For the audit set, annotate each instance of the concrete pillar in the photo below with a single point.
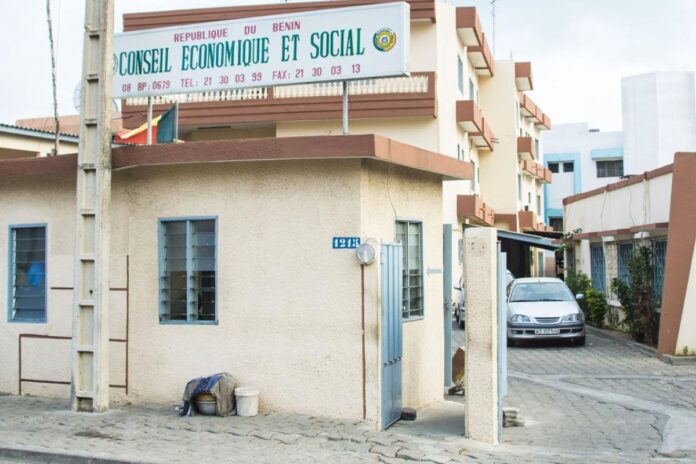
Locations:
(481, 367)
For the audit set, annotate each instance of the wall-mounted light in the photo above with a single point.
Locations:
(365, 253)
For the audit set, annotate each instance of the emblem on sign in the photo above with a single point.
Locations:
(384, 39)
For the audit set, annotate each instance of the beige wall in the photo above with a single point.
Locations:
(499, 169)
(288, 305)
(20, 146)
(687, 335)
(413, 197)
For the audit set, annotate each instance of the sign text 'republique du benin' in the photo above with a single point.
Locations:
(323, 45)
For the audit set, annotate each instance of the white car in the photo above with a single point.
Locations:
(459, 303)
(542, 308)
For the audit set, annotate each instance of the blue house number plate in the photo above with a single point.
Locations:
(345, 242)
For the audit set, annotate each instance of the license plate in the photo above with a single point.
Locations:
(547, 331)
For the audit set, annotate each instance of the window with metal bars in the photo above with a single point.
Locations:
(659, 253)
(597, 269)
(27, 276)
(410, 235)
(188, 277)
(624, 252)
(612, 168)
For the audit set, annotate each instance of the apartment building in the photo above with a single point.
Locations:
(458, 101)
(659, 119)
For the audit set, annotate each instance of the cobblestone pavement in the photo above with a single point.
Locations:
(610, 395)
(607, 402)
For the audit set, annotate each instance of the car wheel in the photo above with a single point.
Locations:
(580, 341)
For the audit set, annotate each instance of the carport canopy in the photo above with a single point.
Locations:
(527, 239)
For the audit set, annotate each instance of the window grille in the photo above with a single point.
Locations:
(597, 267)
(625, 254)
(188, 281)
(409, 235)
(612, 168)
(659, 249)
(27, 289)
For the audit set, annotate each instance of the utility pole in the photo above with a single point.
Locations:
(90, 339)
(53, 76)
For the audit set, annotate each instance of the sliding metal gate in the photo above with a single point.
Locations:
(392, 339)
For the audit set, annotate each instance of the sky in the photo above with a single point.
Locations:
(579, 49)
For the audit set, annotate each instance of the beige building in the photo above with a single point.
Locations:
(222, 260)
(652, 209)
(26, 142)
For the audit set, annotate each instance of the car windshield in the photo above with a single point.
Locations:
(541, 291)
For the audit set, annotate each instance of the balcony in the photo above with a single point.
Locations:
(529, 109)
(369, 98)
(528, 223)
(523, 76)
(545, 122)
(470, 118)
(481, 57)
(473, 209)
(536, 170)
(525, 148)
(469, 26)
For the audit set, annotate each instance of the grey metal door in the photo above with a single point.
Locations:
(502, 337)
(392, 338)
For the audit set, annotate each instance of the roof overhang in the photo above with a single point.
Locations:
(531, 240)
(367, 146)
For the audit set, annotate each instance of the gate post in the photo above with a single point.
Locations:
(481, 366)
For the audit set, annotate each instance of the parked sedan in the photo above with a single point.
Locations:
(542, 308)
(460, 301)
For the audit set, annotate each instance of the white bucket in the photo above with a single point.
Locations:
(247, 401)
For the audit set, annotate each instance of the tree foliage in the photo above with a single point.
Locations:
(638, 298)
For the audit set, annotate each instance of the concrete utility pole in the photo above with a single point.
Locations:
(90, 340)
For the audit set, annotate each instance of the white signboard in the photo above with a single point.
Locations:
(324, 45)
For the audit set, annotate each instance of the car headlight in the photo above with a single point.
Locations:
(519, 318)
(575, 317)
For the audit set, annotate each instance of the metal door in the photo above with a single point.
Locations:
(392, 339)
(502, 337)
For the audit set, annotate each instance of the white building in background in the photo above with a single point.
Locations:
(659, 119)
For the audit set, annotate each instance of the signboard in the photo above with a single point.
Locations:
(315, 46)
(345, 242)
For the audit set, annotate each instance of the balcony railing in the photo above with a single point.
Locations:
(529, 109)
(370, 98)
(545, 122)
(528, 223)
(525, 148)
(470, 118)
(536, 170)
(523, 76)
(471, 207)
(481, 57)
(469, 26)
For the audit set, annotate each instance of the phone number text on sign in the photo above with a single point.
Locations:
(372, 41)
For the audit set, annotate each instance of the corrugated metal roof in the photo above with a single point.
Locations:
(38, 133)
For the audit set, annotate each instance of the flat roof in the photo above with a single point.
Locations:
(367, 146)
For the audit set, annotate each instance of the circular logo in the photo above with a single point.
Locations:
(384, 39)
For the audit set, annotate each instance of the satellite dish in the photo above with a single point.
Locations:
(76, 99)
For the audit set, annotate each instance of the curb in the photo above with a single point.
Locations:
(33, 455)
(649, 350)
(677, 360)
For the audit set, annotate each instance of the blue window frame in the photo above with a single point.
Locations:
(188, 270)
(597, 269)
(659, 249)
(410, 235)
(625, 254)
(27, 287)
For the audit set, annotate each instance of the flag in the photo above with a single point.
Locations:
(166, 129)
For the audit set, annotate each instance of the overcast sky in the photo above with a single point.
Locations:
(579, 49)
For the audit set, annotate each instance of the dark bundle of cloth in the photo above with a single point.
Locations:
(221, 386)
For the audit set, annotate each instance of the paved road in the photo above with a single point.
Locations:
(609, 396)
(607, 402)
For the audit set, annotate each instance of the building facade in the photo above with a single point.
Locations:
(652, 209)
(659, 119)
